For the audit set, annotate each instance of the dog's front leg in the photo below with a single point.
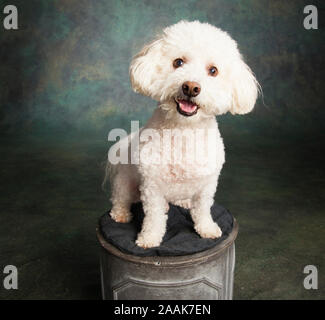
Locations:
(155, 208)
(201, 213)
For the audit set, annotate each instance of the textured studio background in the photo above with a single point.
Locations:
(67, 66)
(64, 84)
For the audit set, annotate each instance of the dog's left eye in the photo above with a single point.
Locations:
(213, 71)
(178, 63)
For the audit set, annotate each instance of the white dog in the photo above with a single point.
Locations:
(195, 72)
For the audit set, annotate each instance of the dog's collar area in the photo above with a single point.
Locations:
(186, 108)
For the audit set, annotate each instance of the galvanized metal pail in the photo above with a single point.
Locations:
(206, 275)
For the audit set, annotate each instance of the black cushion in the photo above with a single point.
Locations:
(180, 238)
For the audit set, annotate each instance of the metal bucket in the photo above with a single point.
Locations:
(206, 275)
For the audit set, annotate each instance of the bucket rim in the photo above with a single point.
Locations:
(171, 261)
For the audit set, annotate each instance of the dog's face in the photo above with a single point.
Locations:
(194, 70)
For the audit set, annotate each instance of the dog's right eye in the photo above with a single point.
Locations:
(178, 63)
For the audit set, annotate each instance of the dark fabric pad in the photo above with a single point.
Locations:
(180, 238)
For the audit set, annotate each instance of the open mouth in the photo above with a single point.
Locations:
(186, 108)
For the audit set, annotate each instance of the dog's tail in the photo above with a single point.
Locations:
(111, 169)
(107, 174)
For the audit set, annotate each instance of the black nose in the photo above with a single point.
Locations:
(191, 88)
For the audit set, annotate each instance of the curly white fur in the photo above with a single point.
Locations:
(234, 89)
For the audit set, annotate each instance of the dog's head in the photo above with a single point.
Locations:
(195, 70)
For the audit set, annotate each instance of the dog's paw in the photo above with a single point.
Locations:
(147, 241)
(210, 230)
(121, 215)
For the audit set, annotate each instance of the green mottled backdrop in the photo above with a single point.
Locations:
(64, 84)
(67, 65)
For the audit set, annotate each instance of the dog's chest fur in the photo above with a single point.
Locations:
(178, 159)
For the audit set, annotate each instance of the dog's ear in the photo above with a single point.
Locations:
(245, 88)
(143, 68)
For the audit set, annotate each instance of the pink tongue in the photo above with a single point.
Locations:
(187, 106)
